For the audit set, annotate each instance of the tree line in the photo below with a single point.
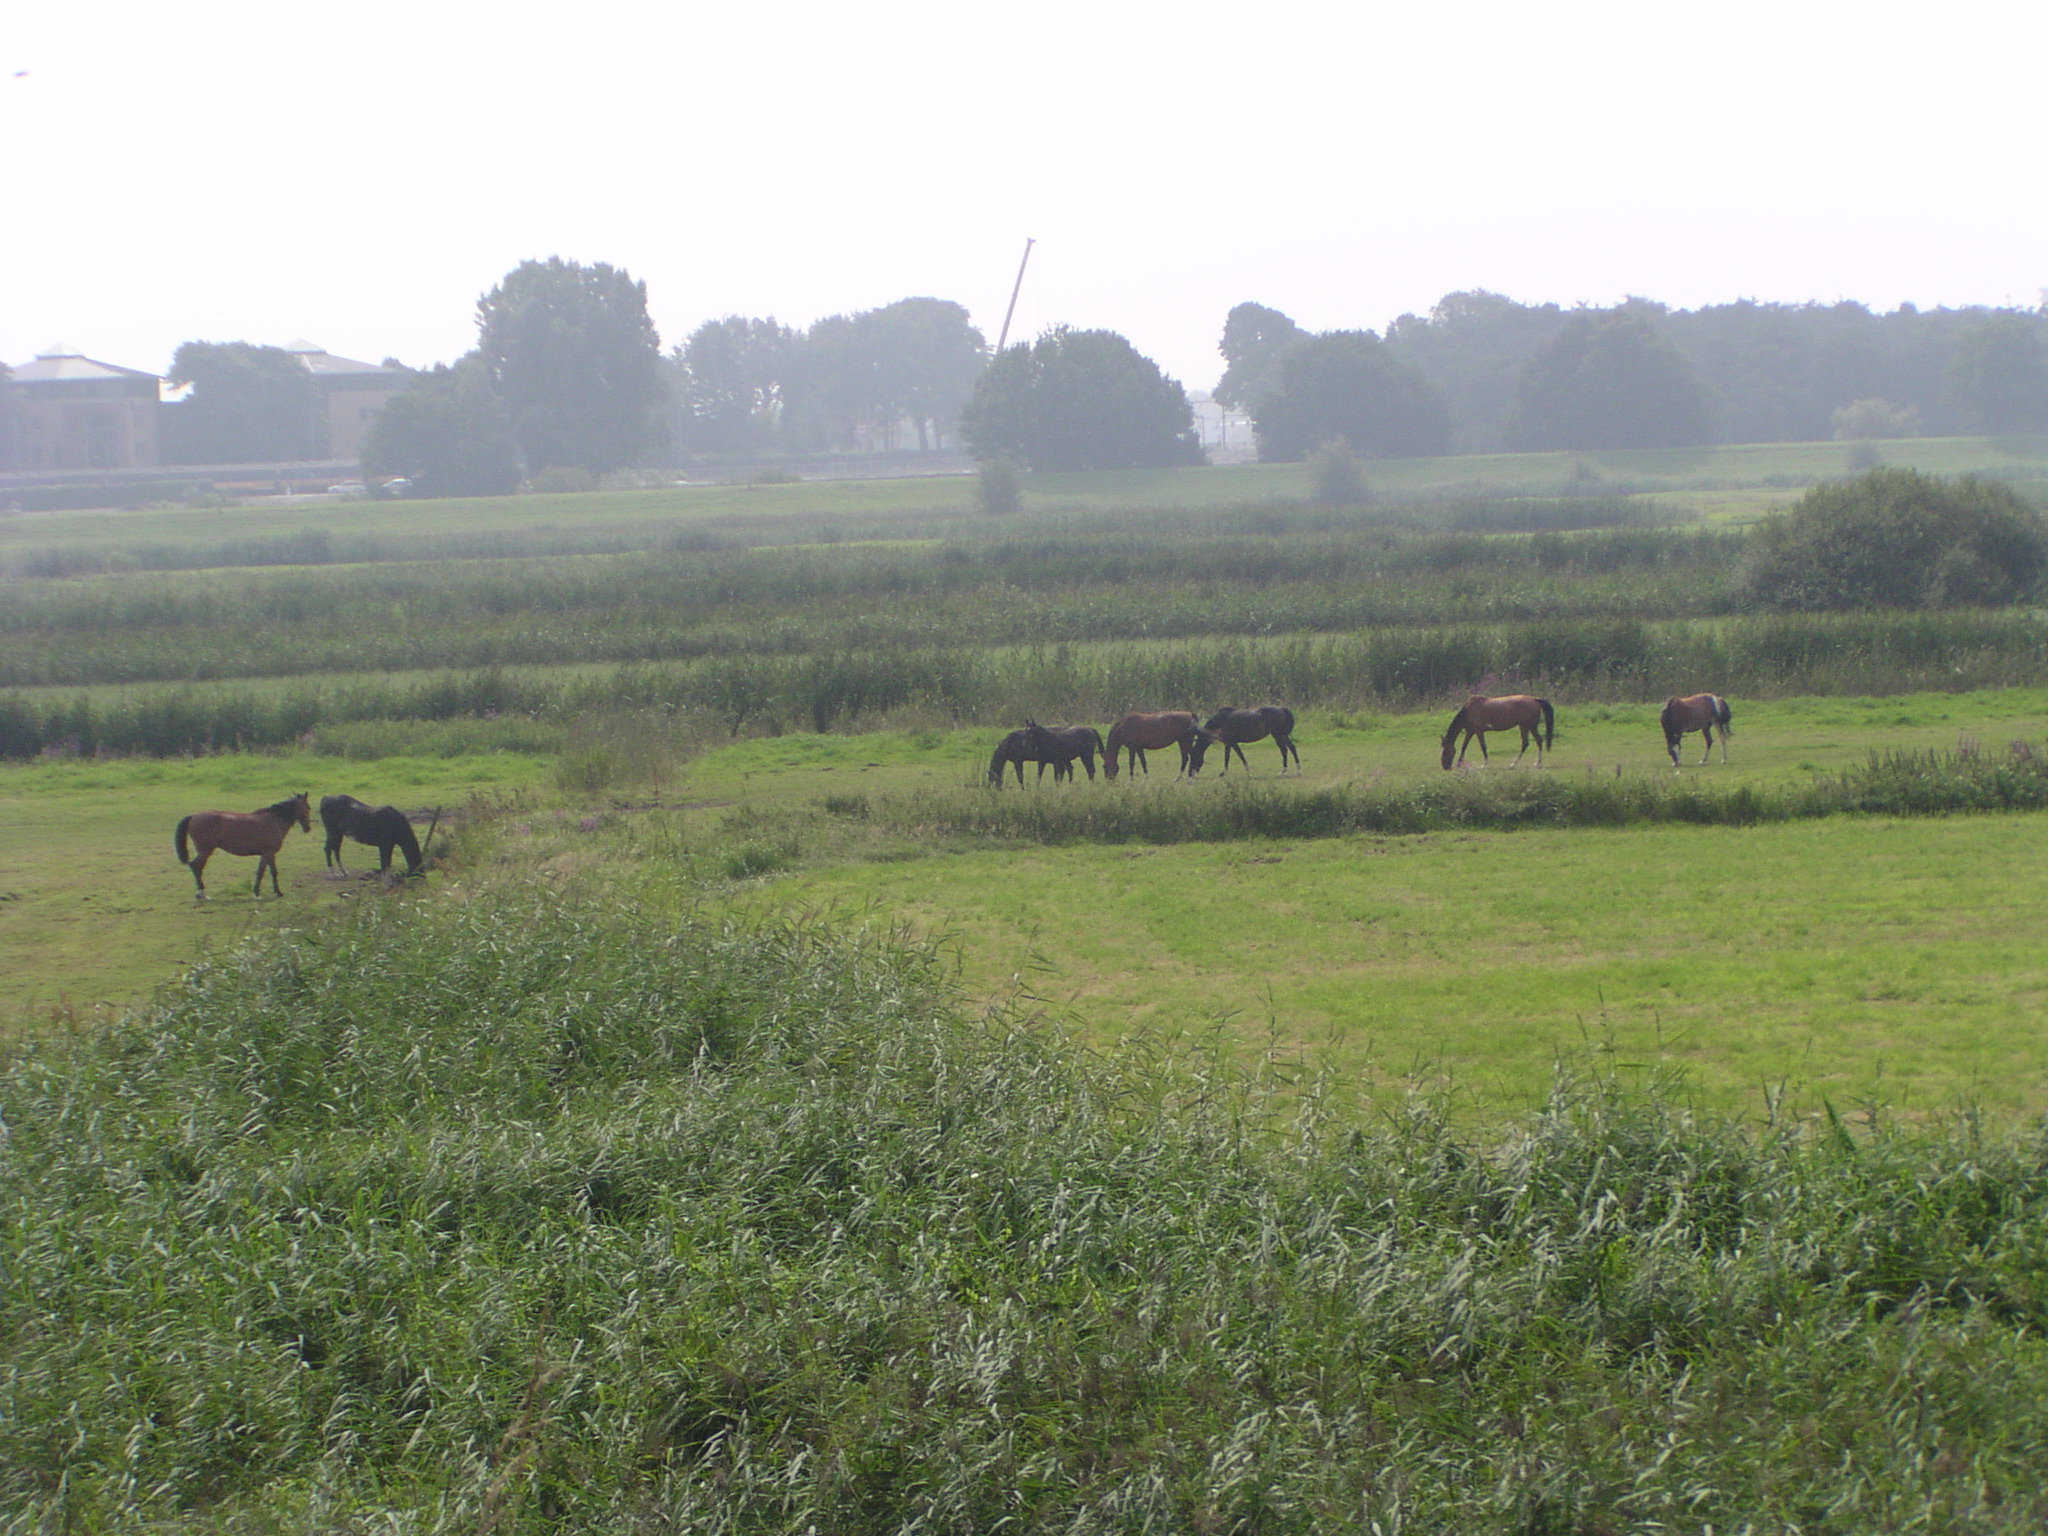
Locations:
(1481, 373)
(568, 382)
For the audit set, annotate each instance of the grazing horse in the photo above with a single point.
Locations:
(1696, 712)
(1137, 734)
(252, 834)
(1235, 727)
(1056, 746)
(1532, 716)
(1060, 745)
(384, 828)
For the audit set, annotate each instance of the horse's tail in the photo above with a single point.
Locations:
(184, 856)
(1549, 723)
(1100, 745)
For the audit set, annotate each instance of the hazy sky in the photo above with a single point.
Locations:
(359, 174)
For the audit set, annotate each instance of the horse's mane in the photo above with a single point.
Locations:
(286, 808)
(1457, 720)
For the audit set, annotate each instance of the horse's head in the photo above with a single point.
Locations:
(1198, 748)
(302, 810)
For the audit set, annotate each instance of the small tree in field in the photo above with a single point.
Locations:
(1335, 478)
(1895, 538)
(999, 486)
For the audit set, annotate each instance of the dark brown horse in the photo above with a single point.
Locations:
(1696, 712)
(1053, 745)
(1235, 727)
(252, 834)
(1137, 734)
(1061, 744)
(384, 828)
(1514, 711)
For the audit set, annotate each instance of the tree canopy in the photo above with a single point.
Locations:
(574, 356)
(730, 375)
(1080, 400)
(248, 405)
(1607, 380)
(448, 433)
(1254, 337)
(1896, 538)
(1999, 375)
(1345, 386)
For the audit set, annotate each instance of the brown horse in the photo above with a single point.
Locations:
(1235, 727)
(252, 834)
(1514, 711)
(1137, 734)
(1696, 712)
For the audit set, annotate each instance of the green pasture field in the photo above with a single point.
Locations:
(1853, 957)
(832, 510)
(96, 911)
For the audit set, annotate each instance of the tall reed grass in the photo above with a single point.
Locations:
(527, 1214)
(1397, 669)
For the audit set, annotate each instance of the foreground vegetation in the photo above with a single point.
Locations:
(596, 1183)
(523, 1213)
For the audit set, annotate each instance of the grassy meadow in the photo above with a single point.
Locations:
(754, 1121)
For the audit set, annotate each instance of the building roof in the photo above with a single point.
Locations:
(62, 365)
(324, 364)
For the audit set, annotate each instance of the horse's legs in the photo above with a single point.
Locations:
(1288, 747)
(1237, 747)
(261, 862)
(199, 867)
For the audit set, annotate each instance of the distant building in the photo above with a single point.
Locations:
(352, 393)
(73, 412)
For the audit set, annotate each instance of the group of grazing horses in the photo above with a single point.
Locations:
(1534, 718)
(1136, 734)
(259, 835)
(1059, 746)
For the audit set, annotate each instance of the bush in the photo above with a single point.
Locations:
(1335, 478)
(1895, 538)
(563, 480)
(999, 487)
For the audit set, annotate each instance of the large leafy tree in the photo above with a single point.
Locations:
(1345, 386)
(926, 356)
(1999, 374)
(572, 353)
(1472, 346)
(1254, 337)
(1079, 400)
(733, 373)
(248, 405)
(1608, 380)
(448, 433)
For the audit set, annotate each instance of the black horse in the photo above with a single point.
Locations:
(383, 828)
(1061, 744)
(1235, 727)
(1054, 746)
